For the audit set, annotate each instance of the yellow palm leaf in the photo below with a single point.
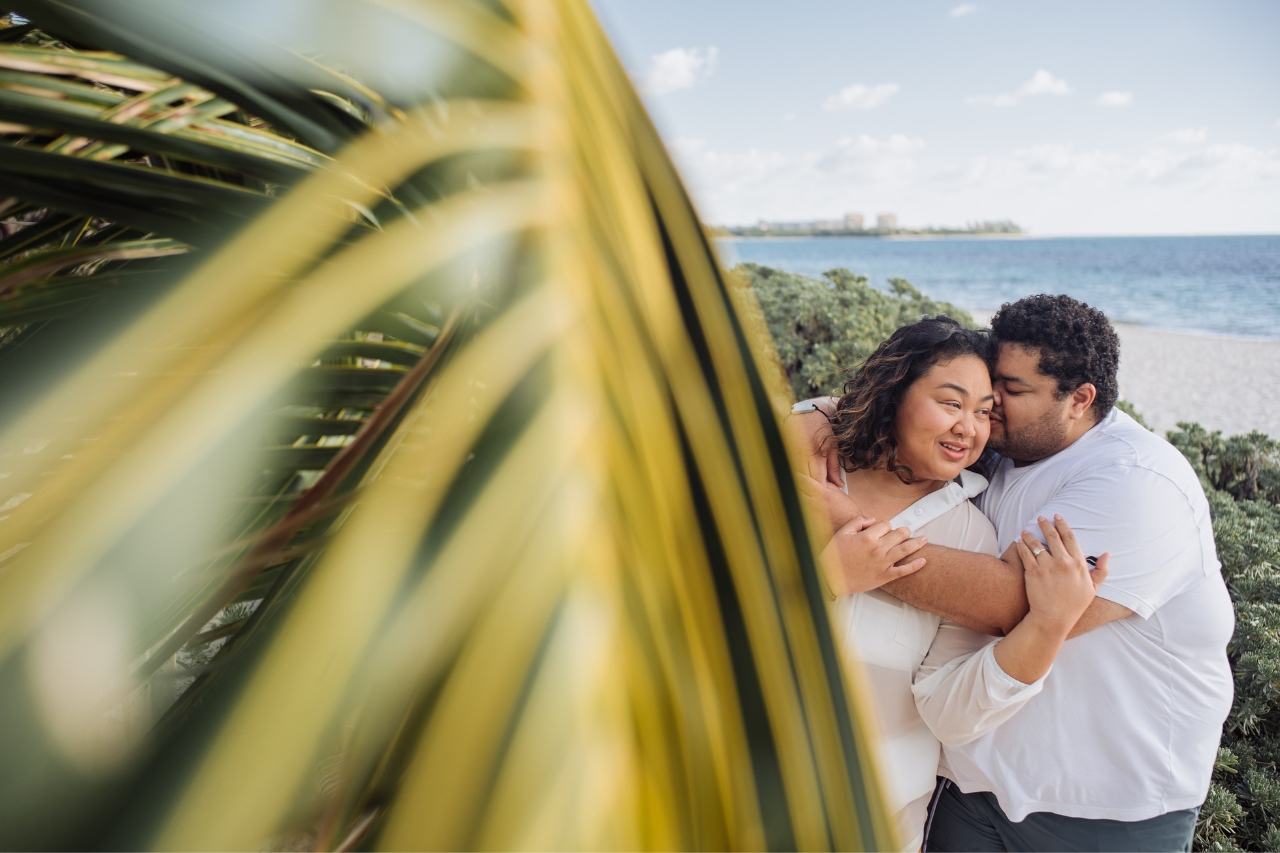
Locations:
(565, 599)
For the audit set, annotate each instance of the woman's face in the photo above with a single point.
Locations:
(942, 423)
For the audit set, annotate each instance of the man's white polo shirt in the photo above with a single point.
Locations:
(1128, 723)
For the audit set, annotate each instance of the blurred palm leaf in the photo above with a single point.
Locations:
(441, 505)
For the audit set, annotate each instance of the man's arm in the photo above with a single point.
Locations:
(977, 590)
(983, 592)
(1100, 612)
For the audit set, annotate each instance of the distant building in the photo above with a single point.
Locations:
(887, 221)
(853, 221)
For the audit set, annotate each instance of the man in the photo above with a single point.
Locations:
(1116, 752)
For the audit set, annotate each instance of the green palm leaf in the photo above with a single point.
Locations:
(442, 505)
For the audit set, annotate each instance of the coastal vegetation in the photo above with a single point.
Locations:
(1241, 477)
(822, 328)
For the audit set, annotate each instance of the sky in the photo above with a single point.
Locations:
(1085, 117)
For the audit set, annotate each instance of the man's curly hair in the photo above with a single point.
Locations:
(1077, 343)
(866, 413)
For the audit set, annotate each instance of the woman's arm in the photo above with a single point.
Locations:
(960, 690)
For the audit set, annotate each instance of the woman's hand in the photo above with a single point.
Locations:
(863, 554)
(1060, 586)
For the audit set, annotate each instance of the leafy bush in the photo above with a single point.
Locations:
(825, 327)
(1241, 476)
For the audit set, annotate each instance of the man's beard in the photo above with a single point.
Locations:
(1033, 442)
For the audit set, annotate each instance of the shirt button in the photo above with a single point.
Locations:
(919, 512)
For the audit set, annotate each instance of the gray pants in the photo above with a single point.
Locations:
(967, 823)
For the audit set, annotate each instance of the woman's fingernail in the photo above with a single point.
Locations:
(1057, 517)
(1042, 518)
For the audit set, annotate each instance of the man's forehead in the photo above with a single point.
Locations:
(1018, 361)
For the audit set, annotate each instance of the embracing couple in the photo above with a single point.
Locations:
(1024, 699)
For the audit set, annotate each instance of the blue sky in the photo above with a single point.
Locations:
(1070, 118)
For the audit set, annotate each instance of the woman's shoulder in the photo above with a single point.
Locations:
(963, 526)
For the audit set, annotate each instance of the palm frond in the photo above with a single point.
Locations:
(442, 505)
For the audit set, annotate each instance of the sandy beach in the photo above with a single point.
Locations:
(1223, 383)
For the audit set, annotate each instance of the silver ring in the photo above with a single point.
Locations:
(1037, 552)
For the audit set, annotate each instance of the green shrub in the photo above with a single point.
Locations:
(1241, 475)
(825, 327)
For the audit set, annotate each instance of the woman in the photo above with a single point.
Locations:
(912, 420)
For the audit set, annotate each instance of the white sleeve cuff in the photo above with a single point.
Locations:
(1126, 599)
(1001, 681)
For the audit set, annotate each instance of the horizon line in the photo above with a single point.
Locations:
(1023, 236)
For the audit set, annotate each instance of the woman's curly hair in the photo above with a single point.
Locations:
(866, 413)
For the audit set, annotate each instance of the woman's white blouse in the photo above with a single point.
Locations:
(924, 672)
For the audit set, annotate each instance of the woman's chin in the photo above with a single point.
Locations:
(942, 471)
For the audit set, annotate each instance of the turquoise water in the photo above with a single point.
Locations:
(1228, 286)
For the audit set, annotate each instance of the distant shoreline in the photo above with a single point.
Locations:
(867, 234)
(1211, 286)
(940, 236)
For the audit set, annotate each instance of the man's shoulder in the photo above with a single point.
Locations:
(1123, 441)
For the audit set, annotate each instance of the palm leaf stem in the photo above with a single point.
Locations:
(312, 504)
(43, 264)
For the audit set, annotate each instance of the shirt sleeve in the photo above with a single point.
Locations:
(1147, 524)
(960, 689)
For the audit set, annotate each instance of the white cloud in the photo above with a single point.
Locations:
(744, 185)
(789, 117)
(963, 9)
(679, 68)
(895, 143)
(1041, 83)
(1186, 136)
(860, 97)
(1212, 168)
(1114, 99)
(1052, 187)
(1044, 83)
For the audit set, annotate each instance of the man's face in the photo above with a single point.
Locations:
(1029, 421)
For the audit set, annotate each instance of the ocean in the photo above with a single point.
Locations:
(1220, 286)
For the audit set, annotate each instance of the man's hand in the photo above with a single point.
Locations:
(811, 444)
(863, 553)
(829, 502)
